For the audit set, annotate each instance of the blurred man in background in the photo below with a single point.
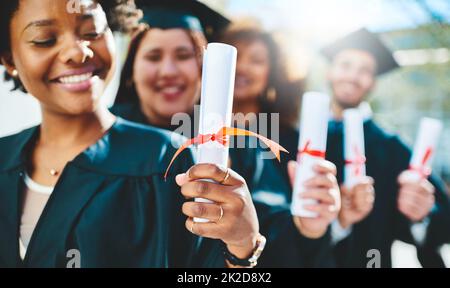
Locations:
(416, 212)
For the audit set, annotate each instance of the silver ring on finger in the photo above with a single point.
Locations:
(227, 175)
(221, 214)
(192, 227)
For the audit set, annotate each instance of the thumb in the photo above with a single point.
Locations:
(182, 179)
(408, 177)
(345, 191)
(292, 168)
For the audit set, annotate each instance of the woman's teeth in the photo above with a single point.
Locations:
(76, 78)
(171, 90)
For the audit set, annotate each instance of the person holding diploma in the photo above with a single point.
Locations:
(262, 86)
(400, 204)
(169, 50)
(87, 183)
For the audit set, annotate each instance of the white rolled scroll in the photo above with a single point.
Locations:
(312, 145)
(354, 152)
(219, 69)
(424, 148)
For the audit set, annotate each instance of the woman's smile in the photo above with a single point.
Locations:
(77, 80)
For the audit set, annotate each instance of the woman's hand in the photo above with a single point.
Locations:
(324, 189)
(232, 216)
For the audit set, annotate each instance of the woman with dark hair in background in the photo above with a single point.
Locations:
(263, 86)
(162, 77)
(162, 72)
(87, 181)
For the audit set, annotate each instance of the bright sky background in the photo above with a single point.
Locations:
(329, 19)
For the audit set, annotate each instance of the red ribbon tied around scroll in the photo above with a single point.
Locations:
(423, 170)
(222, 137)
(359, 160)
(306, 150)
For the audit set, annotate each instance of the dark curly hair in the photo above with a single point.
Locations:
(286, 91)
(123, 16)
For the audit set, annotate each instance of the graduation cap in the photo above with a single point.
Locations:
(187, 14)
(364, 40)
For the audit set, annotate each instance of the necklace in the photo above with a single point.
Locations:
(54, 172)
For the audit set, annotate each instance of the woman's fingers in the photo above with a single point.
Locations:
(212, 212)
(324, 211)
(327, 180)
(322, 195)
(222, 175)
(208, 190)
(292, 168)
(324, 167)
(208, 230)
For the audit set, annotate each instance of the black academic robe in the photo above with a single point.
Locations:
(387, 156)
(285, 246)
(272, 175)
(111, 203)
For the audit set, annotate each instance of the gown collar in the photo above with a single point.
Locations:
(112, 154)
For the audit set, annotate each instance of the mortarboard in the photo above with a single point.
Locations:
(187, 14)
(367, 41)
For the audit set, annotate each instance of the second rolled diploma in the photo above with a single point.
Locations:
(311, 148)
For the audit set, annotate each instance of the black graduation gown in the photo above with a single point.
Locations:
(387, 156)
(272, 175)
(285, 246)
(111, 203)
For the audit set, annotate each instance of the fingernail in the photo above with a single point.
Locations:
(180, 178)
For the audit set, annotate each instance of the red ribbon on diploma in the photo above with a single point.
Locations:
(222, 137)
(423, 170)
(359, 160)
(306, 150)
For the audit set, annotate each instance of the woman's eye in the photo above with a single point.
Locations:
(92, 36)
(44, 43)
(185, 56)
(94, 33)
(153, 58)
(259, 61)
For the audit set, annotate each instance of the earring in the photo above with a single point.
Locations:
(15, 73)
(271, 94)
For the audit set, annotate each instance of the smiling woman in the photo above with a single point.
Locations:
(105, 195)
(122, 15)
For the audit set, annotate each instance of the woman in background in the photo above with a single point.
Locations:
(162, 77)
(263, 86)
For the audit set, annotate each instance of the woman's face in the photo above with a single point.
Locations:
(166, 74)
(252, 71)
(64, 58)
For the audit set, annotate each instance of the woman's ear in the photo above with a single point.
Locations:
(7, 61)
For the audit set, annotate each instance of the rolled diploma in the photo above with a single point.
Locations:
(219, 69)
(427, 138)
(313, 129)
(353, 147)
